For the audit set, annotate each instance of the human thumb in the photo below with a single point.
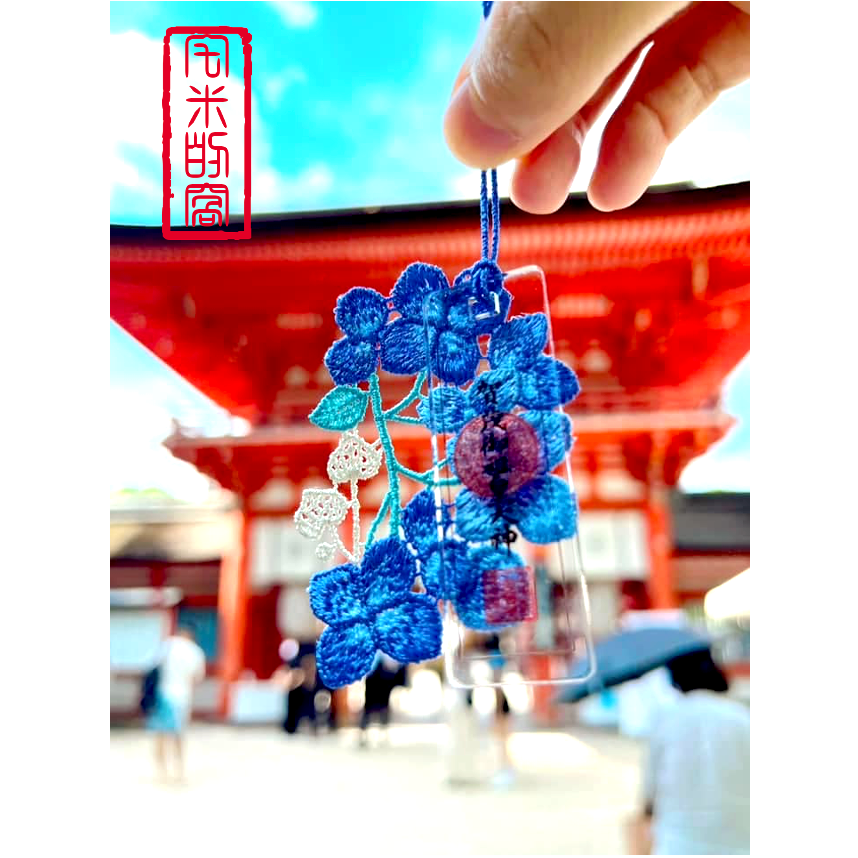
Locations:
(534, 66)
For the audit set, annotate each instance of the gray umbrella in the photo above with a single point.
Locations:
(628, 655)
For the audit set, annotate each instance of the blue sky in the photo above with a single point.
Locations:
(348, 100)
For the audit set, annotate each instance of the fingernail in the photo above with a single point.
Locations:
(471, 138)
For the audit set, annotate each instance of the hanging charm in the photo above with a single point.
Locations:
(493, 489)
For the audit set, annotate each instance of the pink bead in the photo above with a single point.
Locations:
(509, 595)
(483, 444)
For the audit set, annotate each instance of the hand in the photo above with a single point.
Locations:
(541, 73)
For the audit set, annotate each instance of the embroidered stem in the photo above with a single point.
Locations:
(377, 520)
(412, 395)
(355, 521)
(398, 418)
(393, 467)
(438, 466)
(343, 550)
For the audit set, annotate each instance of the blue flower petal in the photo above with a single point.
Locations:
(518, 342)
(460, 314)
(488, 557)
(450, 453)
(414, 285)
(469, 600)
(445, 410)
(332, 595)
(350, 361)
(454, 358)
(362, 313)
(403, 347)
(387, 573)
(419, 521)
(547, 384)
(345, 654)
(410, 631)
(496, 390)
(555, 432)
(507, 596)
(435, 311)
(445, 568)
(545, 510)
(479, 519)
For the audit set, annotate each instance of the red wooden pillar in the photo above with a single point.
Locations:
(661, 588)
(232, 607)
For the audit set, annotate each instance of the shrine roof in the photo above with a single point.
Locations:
(650, 305)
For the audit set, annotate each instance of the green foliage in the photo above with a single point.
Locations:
(341, 409)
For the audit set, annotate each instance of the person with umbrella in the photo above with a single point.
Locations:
(696, 783)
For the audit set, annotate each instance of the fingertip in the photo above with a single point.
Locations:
(471, 139)
(542, 178)
(607, 196)
(528, 200)
(629, 156)
(599, 201)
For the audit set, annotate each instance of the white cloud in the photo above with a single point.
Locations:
(135, 167)
(140, 418)
(275, 191)
(126, 175)
(275, 85)
(296, 13)
(135, 89)
(713, 472)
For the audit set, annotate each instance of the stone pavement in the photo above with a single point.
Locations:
(255, 790)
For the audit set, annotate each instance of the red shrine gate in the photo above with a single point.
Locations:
(650, 306)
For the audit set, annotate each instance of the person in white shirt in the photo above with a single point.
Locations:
(181, 665)
(697, 777)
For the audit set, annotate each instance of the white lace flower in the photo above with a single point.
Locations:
(354, 459)
(321, 511)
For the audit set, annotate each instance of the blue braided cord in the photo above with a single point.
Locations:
(484, 215)
(489, 211)
(484, 204)
(398, 418)
(495, 216)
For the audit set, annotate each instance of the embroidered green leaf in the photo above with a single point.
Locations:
(341, 409)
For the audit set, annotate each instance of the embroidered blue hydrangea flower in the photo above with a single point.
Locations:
(521, 375)
(544, 510)
(369, 608)
(453, 570)
(543, 381)
(361, 314)
(447, 321)
(540, 505)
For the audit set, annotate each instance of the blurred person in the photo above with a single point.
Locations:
(540, 74)
(503, 774)
(301, 698)
(386, 675)
(501, 716)
(696, 782)
(181, 666)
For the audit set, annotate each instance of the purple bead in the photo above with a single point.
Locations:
(497, 454)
